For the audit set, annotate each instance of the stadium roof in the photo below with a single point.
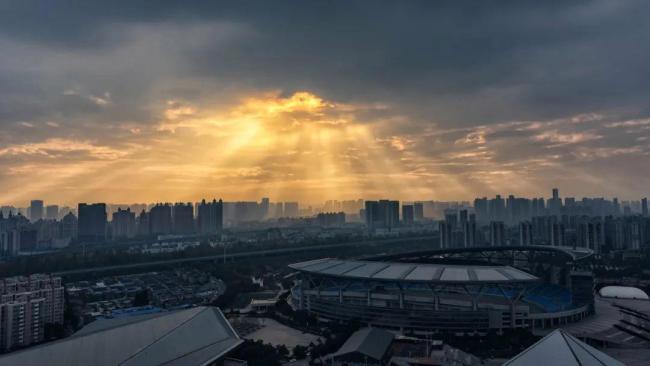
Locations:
(195, 336)
(372, 342)
(412, 272)
(561, 348)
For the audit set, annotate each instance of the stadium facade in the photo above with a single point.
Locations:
(433, 291)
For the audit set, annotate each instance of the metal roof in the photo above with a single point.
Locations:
(561, 348)
(372, 342)
(195, 336)
(412, 272)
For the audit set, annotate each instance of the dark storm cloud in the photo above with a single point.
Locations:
(104, 70)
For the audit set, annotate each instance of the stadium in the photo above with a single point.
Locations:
(464, 290)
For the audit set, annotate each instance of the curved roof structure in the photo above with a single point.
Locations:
(623, 292)
(569, 254)
(413, 272)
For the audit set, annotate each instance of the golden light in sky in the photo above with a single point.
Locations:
(298, 146)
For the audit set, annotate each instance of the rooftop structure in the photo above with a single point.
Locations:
(623, 292)
(367, 344)
(413, 272)
(196, 336)
(561, 348)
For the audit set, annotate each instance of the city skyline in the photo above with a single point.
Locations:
(429, 101)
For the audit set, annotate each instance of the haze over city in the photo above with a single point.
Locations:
(140, 103)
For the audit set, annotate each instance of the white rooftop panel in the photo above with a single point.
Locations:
(489, 274)
(318, 267)
(342, 268)
(423, 273)
(394, 271)
(367, 270)
(454, 274)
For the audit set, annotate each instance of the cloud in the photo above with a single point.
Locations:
(459, 98)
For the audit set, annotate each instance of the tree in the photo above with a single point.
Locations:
(299, 352)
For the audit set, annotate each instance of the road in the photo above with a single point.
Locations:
(232, 256)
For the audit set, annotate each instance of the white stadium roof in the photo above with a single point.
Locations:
(412, 272)
(192, 337)
(623, 292)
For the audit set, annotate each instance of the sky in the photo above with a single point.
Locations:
(139, 101)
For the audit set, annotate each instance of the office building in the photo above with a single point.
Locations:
(26, 305)
(92, 222)
(183, 218)
(644, 207)
(123, 224)
(36, 210)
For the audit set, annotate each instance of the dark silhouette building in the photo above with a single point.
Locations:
(92, 222)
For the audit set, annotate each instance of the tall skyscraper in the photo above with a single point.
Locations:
(644, 206)
(382, 214)
(183, 218)
(92, 222)
(497, 234)
(123, 224)
(418, 211)
(407, 214)
(210, 217)
(36, 210)
(160, 219)
(525, 233)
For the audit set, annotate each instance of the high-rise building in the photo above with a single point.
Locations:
(525, 233)
(418, 211)
(556, 233)
(92, 222)
(407, 214)
(183, 217)
(210, 217)
(142, 224)
(36, 210)
(644, 206)
(123, 224)
(26, 305)
(52, 212)
(445, 230)
(469, 232)
(497, 234)
(160, 219)
(68, 226)
(382, 214)
(591, 234)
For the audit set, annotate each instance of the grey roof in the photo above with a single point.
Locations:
(412, 272)
(561, 348)
(371, 342)
(195, 336)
